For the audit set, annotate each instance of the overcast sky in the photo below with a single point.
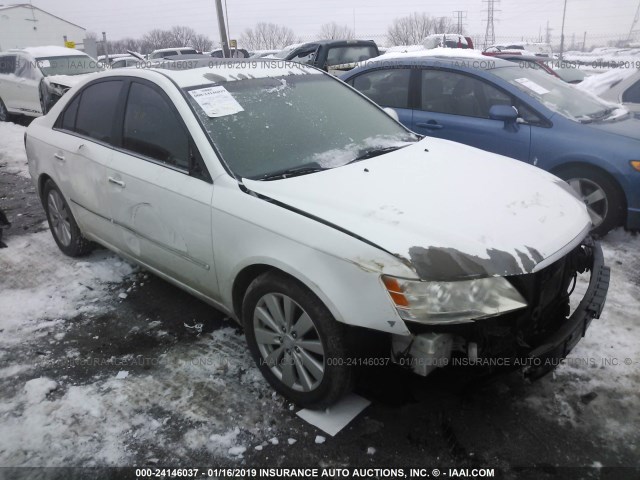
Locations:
(127, 18)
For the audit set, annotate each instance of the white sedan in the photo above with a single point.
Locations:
(294, 204)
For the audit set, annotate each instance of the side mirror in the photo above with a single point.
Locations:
(506, 113)
(392, 113)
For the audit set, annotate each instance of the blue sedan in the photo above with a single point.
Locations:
(522, 113)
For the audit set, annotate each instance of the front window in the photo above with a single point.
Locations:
(265, 125)
(555, 94)
(350, 54)
(71, 65)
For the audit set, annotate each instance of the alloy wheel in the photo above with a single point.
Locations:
(59, 215)
(289, 342)
(593, 196)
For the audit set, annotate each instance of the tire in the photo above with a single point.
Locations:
(314, 361)
(4, 113)
(63, 226)
(607, 211)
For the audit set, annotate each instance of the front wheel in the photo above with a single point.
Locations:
(63, 226)
(298, 346)
(601, 195)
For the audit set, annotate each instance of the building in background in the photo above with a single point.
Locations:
(23, 25)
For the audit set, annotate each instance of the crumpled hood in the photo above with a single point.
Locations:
(449, 210)
(67, 80)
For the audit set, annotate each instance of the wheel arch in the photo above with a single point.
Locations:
(558, 169)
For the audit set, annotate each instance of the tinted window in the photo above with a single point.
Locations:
(350, 54)
(632, 94)
(457, 94)
(97, 108)
(69, 115)
(388, 88)
(304, 56)
(7, 64)
(24, 68)
(152, 129)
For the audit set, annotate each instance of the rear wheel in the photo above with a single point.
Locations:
(298, 346)
(63, 226)
(601, 195)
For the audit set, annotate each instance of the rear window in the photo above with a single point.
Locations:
(350, 54)
(7, 64)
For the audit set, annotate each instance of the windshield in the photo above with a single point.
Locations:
(555, 94)
(71, 65)
(268, 125)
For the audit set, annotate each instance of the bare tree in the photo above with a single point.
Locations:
(181, 36)
(412, 30)
(332, 31)
(201, 42)
(155, 39)
(267, 36)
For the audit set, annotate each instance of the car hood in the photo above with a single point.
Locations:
(628, 127)
(447, 210)
(67, 80)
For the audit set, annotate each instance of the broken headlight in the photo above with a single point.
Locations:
(452, 302)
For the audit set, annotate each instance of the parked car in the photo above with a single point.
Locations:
(4, 224)
(626, 92)
(169, 52)
(525, 48)
(234, 52)
(315, 242)
(447, 40)
(33, 79)
(123, 62)
(591, 144)
(333, 54)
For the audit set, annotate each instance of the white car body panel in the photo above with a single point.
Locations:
(405, 202)
(336, 231)
(615, 93)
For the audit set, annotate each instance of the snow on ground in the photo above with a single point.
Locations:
(13, 158)
(603, 370)
(600, 83)
(603, 55)
(41, 287)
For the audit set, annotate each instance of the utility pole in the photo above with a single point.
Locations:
(106, 47)
(564, 15)
(584, 42)
(548, 35)
(224, 40)
(636, 19)
(461, 15)
(490, 33)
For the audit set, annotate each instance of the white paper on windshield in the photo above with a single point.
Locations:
(216, 101)
(533, 86)
(44, 63)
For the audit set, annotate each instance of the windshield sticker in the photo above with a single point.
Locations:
(216, 101)
(531, 85)
(44, 64)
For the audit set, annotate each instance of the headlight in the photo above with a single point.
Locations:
(635, 164)
(452, 302)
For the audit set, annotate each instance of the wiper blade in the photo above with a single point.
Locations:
(375, 152)
(291, 172)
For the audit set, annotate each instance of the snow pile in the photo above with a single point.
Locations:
(433, 52)
(39, 291)
(599, 84)
(13, 158)
(604, 55)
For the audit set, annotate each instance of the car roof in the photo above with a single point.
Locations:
(335, 42)
(209, 70)
(178, 49)
(49, 51)
(440, 56)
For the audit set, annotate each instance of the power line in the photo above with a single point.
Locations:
(636, 19)
(490, 33)
(461, 15)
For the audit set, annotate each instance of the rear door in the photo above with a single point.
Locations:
(28, 83)
(160, 190)
(8, 82)
(82, 150)
(388, 87)
(455, 106)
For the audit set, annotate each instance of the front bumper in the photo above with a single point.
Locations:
(558, 345)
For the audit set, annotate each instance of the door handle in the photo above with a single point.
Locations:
(120, 183)
(429, 125)
(58, 156)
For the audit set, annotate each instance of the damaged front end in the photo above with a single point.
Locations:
(50, 93)
(526, 325)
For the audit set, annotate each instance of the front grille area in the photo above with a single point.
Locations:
(515, 334)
